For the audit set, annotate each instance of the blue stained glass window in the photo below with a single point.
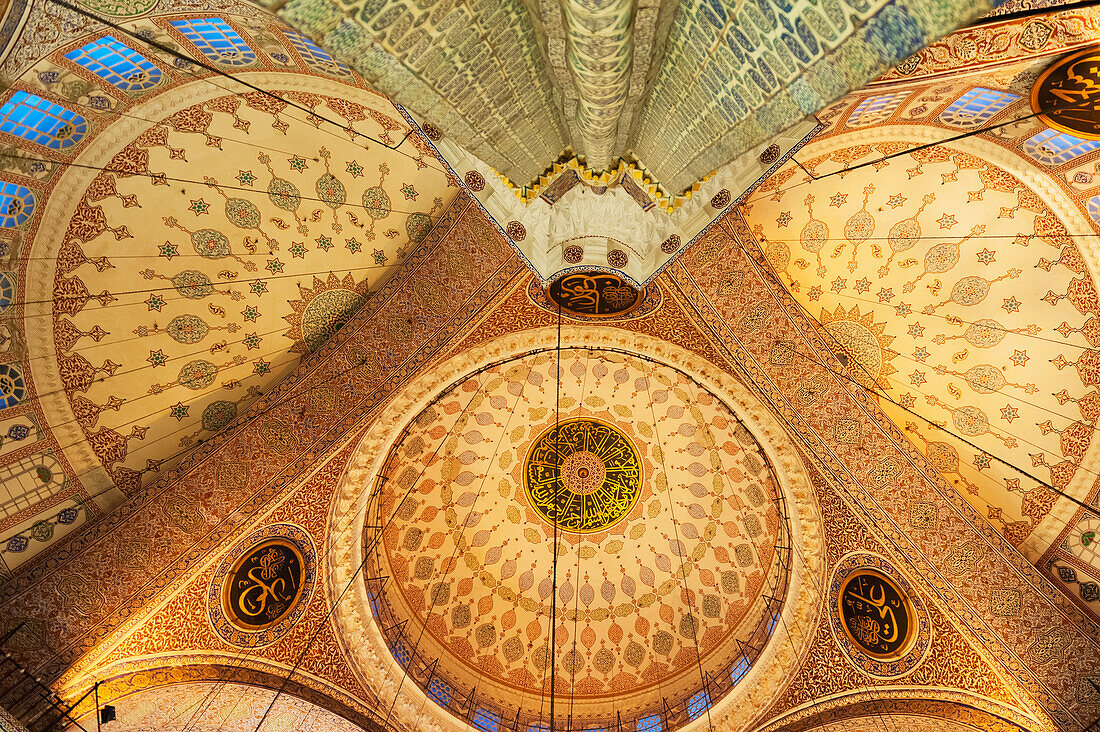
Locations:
(374, 607)
(649, 724)
(976, 107)
(540, 727)
(698, 704)
(216, 40)
(772, 622)
(876, 109)
(7, 290)
(41, 121)
(1093, 207)
(440, 692)
(486, 720)
(117, 63)
(1053, 148)
(401, 653)
(16, 205)
(314, 55)
(739, 670)
(13, 389)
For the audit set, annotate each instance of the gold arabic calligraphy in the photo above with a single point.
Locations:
(594, 293)
(586, 475)
(1068, 94)
(265, 585)
(875, 614)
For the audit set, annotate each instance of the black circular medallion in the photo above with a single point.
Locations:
(875, 614)
(1067, 94)
(263, 585)
(599, 294)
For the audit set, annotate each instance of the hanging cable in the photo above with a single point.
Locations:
(558, 487)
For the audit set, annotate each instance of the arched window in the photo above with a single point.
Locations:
(16, 205)
(7, 290)
(1053, 148)
(486, 720)
(41, 121)
(649, 724)
(28, 481)
(876, 109)
(216, 40)
(440, 692)
(739, 670)
(976, 107)
(314, 55)
(117, 63)
(698, 704)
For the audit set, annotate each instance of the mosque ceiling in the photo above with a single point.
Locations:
(196, 246)
(683, 90)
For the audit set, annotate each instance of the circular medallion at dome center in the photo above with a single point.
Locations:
(583, 474)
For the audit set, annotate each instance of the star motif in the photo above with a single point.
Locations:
(946, 221)
(355, 169)
(920, 354)
(246, 177)
(298, 250)
(917, 378)
(324, 242)
(1019, 357)
(259, 287)
(179, 411)
(1011, 304)
(903, 309)
(157, 358)
(916, 330)
(1009, 413)
(297, 163)
(981, 461)
(814, 294)
(907, 400)
(251, 341)
(250, 313)
(260, 367)
(863, 285)
(409, 192)
(379, 256)
(838, 200)
(155, 302)
(839, 284)
(168, 250)
(783, 219)
(199, 207)
(896, 200)
(885, 295)
(274, 266)
(985, 256)
(353, 245)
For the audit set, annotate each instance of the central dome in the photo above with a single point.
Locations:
(667, 517)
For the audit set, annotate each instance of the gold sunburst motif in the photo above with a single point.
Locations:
(864, 342)
(322, 309)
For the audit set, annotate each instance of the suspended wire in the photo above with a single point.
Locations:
(908, 151)
(768, 273)
(214, 69)
(209, 183)
(557, 496)
(354, 575)
(695, 625)
(577, 580)
(459, 539)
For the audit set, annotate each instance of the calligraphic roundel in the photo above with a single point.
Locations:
(583, 475)
(1067, 94)
(595, 294)
(261, 588)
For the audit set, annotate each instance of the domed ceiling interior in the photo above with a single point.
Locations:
(547, 366)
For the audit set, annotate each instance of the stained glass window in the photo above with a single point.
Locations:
(7, 290)
(485, 720)
(216, 40)
(976, 107)
(440, 692)
(117, 63)
(649, 724)
(698, 704)
(739, 670)
(1053, 148)
(13, 389)
(401, 653)
(41, 121)
(16, 205)
(314, 55)
(876, 109)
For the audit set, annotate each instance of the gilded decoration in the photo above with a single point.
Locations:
(877, 619)
(583, 475)
(595, 294)
(262, 586)
(1066, 94)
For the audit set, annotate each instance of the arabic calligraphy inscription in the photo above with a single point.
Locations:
(1067, 94)
(599, 294)
(264, 585)
(876, 615)
(590, 467)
